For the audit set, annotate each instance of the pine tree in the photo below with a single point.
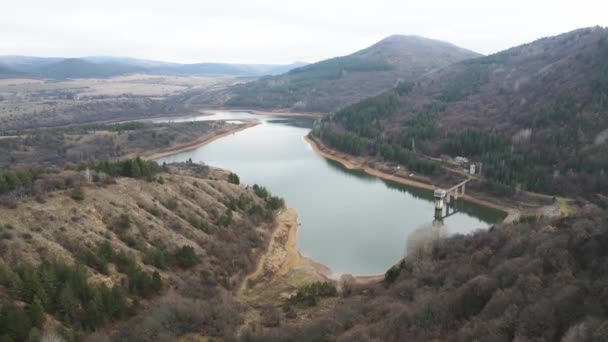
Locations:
(77, 193)
(157, 282)
(135, 168)
(14, 322)
(15, 284)
(67, 302)
(92, 315)
(115, 302)
(48, 279)
(3, 184)
(12, 180)
(36, 313)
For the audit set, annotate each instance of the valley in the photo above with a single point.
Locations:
(143, 200)
(332, 215)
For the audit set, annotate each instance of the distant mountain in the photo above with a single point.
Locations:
(108, 66)
(225, 69)
(202, 69)
(536, 115)
(79, 68)
(337, 82)
(143, 63)
(281, 69)
(6, 72)
(27, 63)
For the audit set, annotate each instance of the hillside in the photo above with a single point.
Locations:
(534, 280)
(73, 145)
(536, 115)
(336, 82)
(127, 242)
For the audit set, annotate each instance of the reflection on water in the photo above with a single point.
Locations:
(350, 221)
(358, 174)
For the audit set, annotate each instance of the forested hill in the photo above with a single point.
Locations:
(535, 280)
(536, 115)
(337, 82)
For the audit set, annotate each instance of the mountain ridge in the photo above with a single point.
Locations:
(108, 66)
(336, 82)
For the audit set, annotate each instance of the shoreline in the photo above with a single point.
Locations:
(283, 262)
(512, 213)
(199, 142)
(282, 255)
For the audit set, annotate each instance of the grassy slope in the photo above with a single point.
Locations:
(183, 211)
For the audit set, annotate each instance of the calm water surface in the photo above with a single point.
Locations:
(350, 221)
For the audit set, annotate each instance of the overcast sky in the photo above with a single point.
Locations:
(276, 31)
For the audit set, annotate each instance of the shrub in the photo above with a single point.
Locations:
(309, 294)
(391, 275)
(156, 257)
(123, 222)
(226, 219)
(77, 193)
(171, 204)
(270, 316)
(198, 223)
(185, 257)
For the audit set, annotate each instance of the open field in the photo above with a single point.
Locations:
(27, 104)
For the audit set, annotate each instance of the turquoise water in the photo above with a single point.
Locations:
(350, 221)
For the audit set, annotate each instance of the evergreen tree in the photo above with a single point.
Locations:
(3, 184)
(67, 303)
(14, 322)
(77, 193)
(34, 335)
(36, 313)
(92, 315)
(234, 178)
(157, 282)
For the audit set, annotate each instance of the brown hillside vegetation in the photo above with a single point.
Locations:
(171, 249)
(534, 280)
(336, 82)
(57, 147)
(536, 115)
